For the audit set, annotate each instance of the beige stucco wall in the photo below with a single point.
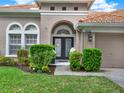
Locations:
(111, 41)
(69, 6)
(5, 21)
(86, 43)
(94, 30)
(45, 23)
(49, 21)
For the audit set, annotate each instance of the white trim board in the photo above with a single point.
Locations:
(67, 13)
(62, 14)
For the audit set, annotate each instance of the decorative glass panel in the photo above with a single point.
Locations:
(63, 31)
(15, 27)
(68, 43)
(14, 43)
(31, 28)
(58, 47)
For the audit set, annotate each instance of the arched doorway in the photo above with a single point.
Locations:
(63, 37)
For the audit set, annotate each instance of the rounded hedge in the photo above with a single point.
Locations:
(92, 59)
(75, 60)
(41, 47)
(41, 55)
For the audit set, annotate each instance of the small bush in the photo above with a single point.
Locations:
(23, 60)
(23, 56)
(22, 53)
(45, 69)
(6, 61)
(92, 59)
(75, 60)
(41, 55)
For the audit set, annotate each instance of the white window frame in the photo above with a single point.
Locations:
(22, 32)
(36, 32)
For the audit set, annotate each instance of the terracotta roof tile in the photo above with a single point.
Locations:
(111, 17)
(65, 1)
(20, 6)
(119, 12)
(93, 13)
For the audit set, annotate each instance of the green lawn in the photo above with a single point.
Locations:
(13, 80)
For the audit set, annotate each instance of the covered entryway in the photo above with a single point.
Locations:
(63, 37)
(112, 45)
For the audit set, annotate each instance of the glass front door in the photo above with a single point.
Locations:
(63, 46)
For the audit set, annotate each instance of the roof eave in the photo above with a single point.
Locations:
(81, 26)
(18, 11)
(56, 1)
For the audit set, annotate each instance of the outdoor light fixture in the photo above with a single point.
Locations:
(90, 36)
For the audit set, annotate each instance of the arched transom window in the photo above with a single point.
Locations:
(62, 30)
(21, 37)
(15, 27)
(31, 28)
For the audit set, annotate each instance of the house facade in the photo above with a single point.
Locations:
(65, 24)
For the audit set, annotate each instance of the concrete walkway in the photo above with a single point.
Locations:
(65, 70)
(116, 75)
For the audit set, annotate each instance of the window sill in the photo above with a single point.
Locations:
(11, 55)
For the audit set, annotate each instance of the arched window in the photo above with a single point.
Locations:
(15, 27)
(14, 36)
(31, 28)
(31, 37)
(62, 32)
(21, 37)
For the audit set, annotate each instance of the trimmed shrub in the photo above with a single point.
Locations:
(40, 47)
(23, 56)
(92, 59)
(22, 53)
(23, 60)
(45, 69)
(6, 61)
(41, 55)
(75, 60)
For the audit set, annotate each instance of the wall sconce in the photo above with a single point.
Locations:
(90, 36)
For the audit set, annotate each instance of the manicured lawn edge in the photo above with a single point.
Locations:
(15, 80)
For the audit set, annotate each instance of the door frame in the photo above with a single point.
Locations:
(63, 45)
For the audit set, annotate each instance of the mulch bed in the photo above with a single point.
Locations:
(52, 69)
(26, 68)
